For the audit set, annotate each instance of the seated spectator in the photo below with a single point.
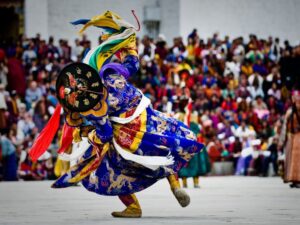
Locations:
(258, 104)
(229, 104)
(255, 89)
(33, 94)
(240, 90)
(274, 91)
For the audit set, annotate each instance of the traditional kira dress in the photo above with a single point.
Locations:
(290, 138)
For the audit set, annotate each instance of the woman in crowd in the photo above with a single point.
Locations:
(290, 141)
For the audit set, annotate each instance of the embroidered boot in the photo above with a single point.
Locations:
(182, 197)
(133, 209)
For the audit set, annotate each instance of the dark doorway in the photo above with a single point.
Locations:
(11, 19)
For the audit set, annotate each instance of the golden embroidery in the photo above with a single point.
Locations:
(94, 96)
(119, 181)
(78, 70)
(100, 109)
(185, 155)
(89, 74)
(161, 124)
(86, 101)
(96, 84)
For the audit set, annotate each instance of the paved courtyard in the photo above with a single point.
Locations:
(221, 200)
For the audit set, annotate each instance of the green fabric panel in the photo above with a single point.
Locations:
(198, 165)
(104, 48)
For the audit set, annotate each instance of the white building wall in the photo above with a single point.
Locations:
(36, 18)
(61, 12)
(169, 19)
(279, 18)
(52, 17)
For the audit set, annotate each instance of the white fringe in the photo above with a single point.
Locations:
(78, 149)
(151, 162)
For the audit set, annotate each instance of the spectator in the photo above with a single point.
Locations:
(77, 51)
(240, 89)
(33, 94)
(3, 73)
(3, 108)
(9, 159)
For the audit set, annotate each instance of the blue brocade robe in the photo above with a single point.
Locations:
(149, 134)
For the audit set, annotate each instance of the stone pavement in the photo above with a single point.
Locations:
(221, 200)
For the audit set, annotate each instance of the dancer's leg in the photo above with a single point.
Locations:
(133, 209)
(184, 182)
(196, 182)
(182, 197)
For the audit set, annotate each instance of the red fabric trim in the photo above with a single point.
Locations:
(46, 136)
(126, 199)
(66, 138)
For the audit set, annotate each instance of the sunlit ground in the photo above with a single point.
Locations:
(221, 200)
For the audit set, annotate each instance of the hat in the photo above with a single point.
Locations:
(161, 37)
(22, 105)
(13, 93)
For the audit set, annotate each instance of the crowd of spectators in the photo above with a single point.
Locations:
(240, 91)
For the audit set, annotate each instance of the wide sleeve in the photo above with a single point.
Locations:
(97, 129)
(131, 63)
(103, 131)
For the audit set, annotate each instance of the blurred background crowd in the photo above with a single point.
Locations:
(237, 92)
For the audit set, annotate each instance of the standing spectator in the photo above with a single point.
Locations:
(52, 52)
(161, 47)
(29, 54)
(41, 113)
(13, 104)
(3, 73)
(16, 72)
(9, 160)
(3, 108)
(147, 48)
(273, 148)
(77, 51)
(289, 139)
(276, 49)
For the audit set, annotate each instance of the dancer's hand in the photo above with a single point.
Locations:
(93, 139)
(97, 137)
